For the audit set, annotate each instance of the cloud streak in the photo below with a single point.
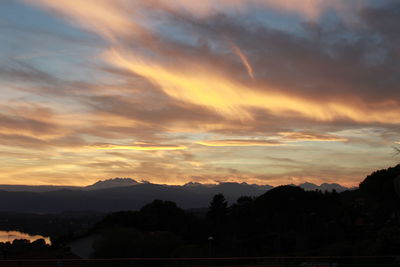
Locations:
(307, 136)
(240, 143)
(244, 59)
(138, 146)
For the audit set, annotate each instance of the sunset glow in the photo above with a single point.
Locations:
(258, 91)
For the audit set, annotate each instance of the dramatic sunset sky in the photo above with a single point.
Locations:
(172, 91)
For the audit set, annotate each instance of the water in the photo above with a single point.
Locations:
(9, 236)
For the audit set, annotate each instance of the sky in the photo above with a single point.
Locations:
(175, 91)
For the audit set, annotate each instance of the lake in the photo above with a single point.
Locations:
(12, 235)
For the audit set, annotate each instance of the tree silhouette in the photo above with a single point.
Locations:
(163, 215)
(218, 209)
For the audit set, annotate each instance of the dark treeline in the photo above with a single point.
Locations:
(67, 223)
(284, 221)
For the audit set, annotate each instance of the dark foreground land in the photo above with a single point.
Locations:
(215, 262)
(286, 226)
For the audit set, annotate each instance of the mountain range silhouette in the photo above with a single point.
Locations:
(127, 194)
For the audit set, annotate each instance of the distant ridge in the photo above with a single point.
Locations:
(111, 183)
(36, 188)
(125, 182)
(127, 194)
(324, 187)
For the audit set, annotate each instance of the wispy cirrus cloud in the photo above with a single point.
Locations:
(138, 146)
(240, 142)
(309, 136)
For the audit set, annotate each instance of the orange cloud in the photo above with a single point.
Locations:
(138, 146)
(206, 87)
(30, 120)
(237, 142)
(305, 136)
